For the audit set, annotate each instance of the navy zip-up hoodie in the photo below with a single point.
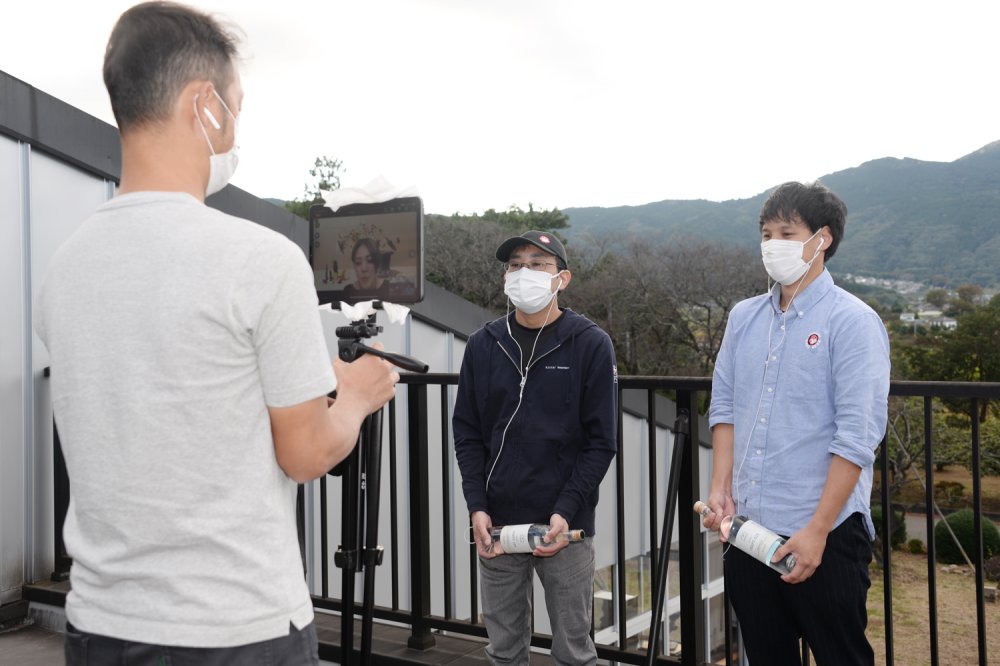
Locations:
(561, 439)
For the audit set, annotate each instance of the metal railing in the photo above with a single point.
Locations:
(689, 396)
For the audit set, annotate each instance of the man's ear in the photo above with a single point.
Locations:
(564, 277)
(201, 94)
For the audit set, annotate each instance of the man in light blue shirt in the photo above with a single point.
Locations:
(799, 407)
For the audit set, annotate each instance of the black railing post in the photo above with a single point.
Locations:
(620, 586)
(420, 550)
(324, 536)
(654, 506)
(393, 507)
(886, 548)
(446, 458)
(931, 555)
(977, 530)
(693, 630)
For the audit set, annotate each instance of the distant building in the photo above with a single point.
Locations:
(929, 319)
(943, 322)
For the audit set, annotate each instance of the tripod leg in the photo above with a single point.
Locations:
(372, 553)
(663, 560)
(347, 555)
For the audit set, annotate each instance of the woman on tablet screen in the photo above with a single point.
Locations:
(366, 258)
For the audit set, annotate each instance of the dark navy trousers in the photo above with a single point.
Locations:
(298, 648)
(828, 609)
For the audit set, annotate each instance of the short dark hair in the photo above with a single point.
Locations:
(156, 49)
(813, 203)
(372, 246)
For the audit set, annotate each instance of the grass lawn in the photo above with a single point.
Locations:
(956, 615)
(913, 492)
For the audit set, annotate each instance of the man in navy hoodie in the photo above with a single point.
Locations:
(535, 429)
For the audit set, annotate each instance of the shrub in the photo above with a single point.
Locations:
(961, 524)
(949, 492)
(915, 546)
(897, 526)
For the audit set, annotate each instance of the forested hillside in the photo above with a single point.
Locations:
(932, 222)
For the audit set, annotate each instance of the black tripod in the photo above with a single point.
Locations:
(361, 472)
(681, 433)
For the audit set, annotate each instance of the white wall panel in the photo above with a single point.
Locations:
(12, 373)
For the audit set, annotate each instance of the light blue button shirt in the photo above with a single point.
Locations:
(800, 387)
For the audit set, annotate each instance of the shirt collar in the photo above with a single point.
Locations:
(806, 298)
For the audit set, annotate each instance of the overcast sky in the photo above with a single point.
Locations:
(489, 103)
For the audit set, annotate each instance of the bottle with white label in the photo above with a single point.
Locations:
(526, 538)
(752, 538)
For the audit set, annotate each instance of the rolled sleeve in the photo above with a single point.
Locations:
(721, 409)
(860, 389)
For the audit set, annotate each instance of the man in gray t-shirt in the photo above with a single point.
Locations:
(189, 377)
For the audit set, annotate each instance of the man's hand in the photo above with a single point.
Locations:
(482, 527)
(314, 436)
(722, 505)
(367, 383)
(557, 525)
(808, 545)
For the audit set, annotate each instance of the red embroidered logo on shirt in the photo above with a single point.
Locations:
(812, 340)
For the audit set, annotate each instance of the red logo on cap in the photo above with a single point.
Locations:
(544, 239)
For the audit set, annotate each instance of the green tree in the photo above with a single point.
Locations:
(664, 303)
(969, 293)
(518, 220)
(460, 249)
(460, 256)
(965, 301)
(972, 350)
(969, 353)
(325, 175)
(937, 297)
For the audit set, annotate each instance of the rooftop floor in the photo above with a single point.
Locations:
(35, 646)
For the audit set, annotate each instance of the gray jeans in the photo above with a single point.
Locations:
(298, 648)
(568, 579)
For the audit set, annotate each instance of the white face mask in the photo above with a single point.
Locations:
(221, 166)
(529, 290)
(783, 259)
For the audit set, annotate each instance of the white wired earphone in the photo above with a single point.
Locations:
(524, 373)
(211, 118)
(767, 360)
(520, 393)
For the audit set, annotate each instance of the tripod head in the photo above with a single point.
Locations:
(350, 345)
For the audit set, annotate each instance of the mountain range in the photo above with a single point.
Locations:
(931, 222)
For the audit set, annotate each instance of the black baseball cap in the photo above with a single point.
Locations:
(543, 240)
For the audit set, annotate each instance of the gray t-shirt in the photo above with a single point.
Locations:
(171, 328)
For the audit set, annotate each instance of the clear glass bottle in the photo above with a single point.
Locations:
(752, 538)
(525, 538)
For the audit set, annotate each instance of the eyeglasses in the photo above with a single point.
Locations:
(512, 266)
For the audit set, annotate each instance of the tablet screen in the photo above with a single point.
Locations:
(366, 252)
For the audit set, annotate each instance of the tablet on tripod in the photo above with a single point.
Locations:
(364, 252)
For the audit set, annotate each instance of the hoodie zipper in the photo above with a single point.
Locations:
(534, 362)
